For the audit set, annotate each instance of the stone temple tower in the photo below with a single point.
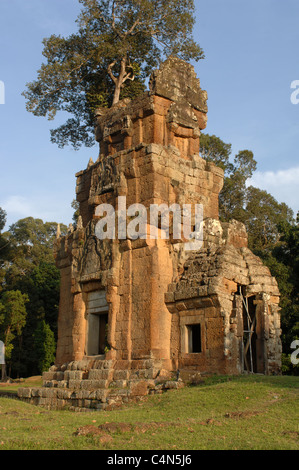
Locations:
(136, 312)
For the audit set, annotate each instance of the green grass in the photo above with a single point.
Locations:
(242, 413)
(12, 387)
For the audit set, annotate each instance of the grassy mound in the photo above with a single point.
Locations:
(242, 413)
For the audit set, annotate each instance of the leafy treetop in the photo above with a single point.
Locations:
(117, 44)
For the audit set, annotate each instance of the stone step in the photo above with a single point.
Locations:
(121, 374)
(99, 374)
(83, 395)
(53, 375)
(75, 375)
(55, 398)
(64, 378)
(102, 364)
(88, 384)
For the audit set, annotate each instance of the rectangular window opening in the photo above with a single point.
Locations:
(194, 338)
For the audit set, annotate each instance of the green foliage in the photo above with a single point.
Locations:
(76, 206)
(286, 255)
(30, 269)
(4, 246)
(232, 198)
(264, 216)
(213, 149)
(44, 346)
(2, 218)
(233, 195)
(31, 242)
(42, 286)
(257, 209)
(12, 318)
(117, 44)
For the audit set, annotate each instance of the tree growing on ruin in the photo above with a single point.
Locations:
(117, 44)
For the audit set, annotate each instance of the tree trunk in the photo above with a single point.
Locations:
(116, 92)
(3, 373)
(119, 81)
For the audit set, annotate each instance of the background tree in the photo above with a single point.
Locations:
(31, 242)
(4, 246)
(12, 319)
(283, 260)
(215, 150)
(44, 346)
(2, 219)
(30, 269)
(117, 44)
(232, 199)
(76, 206)
(264, 219)
(236, 173)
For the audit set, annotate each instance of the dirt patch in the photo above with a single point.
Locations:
(120, 428)
(143, 427)
(210, 421)
(90, 430)
(115, 427)
(242, 414)
(293, 434)
(12, 413)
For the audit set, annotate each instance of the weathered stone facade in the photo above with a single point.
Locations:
(135, 313)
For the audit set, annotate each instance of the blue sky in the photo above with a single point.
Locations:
(251, 61)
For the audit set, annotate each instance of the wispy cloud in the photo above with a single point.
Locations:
(19, 207)
(277, 178)
(282, 184)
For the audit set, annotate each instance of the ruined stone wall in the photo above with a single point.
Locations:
(149, 154)
(140, 315)
(208, 293)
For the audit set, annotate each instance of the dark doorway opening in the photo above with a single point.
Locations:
(249, 337)
(103, 325)
(194, 338)
(252, 346)
(97, 333)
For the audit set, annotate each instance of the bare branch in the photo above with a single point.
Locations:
(129, 76)
(109, 70)
(130, 32)
(113, 16)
